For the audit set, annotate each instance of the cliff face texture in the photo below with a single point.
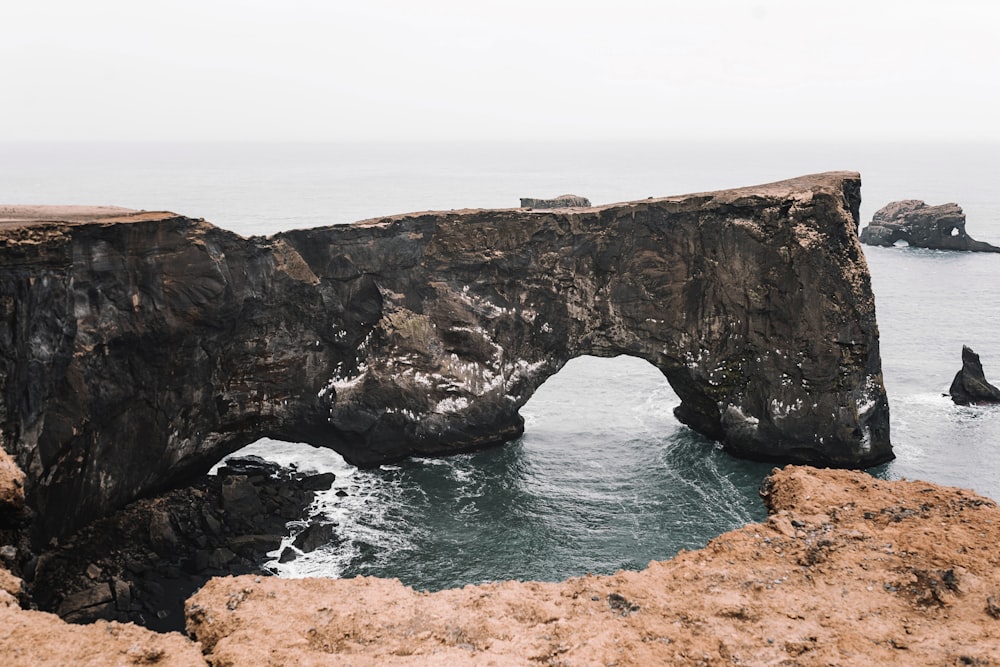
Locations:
(137, 349)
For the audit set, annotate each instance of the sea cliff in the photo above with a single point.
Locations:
(139, 348)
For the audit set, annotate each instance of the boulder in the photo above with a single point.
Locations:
(921, 226)
(316, 535)
(970, 386)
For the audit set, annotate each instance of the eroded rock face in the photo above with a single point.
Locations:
(970, 386)
(141, 563)
(138, 349)
(922, 226)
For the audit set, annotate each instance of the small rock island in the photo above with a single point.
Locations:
(921, 226)
(970, 386)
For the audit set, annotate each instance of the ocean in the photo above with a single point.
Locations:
(604, 477)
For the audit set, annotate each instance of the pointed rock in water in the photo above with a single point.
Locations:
(970, 386)
(922, 226)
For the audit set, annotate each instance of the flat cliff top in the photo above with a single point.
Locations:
(830, 182)
(13, 216)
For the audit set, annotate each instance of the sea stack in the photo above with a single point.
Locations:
(970, 386)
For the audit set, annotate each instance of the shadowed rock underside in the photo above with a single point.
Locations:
(137, 349)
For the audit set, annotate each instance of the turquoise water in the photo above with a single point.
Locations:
(604, 477)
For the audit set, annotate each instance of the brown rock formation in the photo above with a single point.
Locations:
(137, 349)
(38, 639)
(11, 484)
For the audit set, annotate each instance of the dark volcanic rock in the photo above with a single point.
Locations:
(314, 536)
(136, 351)
(970, 386)
(922, 226)
(142, 563)
(562, 201)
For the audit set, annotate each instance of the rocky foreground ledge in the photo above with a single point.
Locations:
(846, 570)
(137, 349)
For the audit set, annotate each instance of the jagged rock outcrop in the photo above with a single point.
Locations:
(138, 349)
(921, 226)
(970, 386)
(141, 563)
(562, 201)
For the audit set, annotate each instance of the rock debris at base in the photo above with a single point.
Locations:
(142, 563)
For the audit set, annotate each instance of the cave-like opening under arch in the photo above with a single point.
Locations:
(603, 478)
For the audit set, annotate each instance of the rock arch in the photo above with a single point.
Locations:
(140, 348)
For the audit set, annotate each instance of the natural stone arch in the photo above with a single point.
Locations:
(739, 298)
(140, 349)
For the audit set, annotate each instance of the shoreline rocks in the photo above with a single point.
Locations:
(921, 226)
(140, 565)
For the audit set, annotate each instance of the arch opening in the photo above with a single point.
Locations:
(603, 478)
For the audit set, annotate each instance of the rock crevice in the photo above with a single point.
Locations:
(138, 349)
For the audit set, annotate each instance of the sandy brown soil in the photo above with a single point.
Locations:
(30, 638)
(16, 220)
(848, 570)
(27, 213)
(11, 484)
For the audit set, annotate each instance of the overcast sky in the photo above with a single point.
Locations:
(467, 70)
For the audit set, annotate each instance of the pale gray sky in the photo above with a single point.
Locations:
(444, 69)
